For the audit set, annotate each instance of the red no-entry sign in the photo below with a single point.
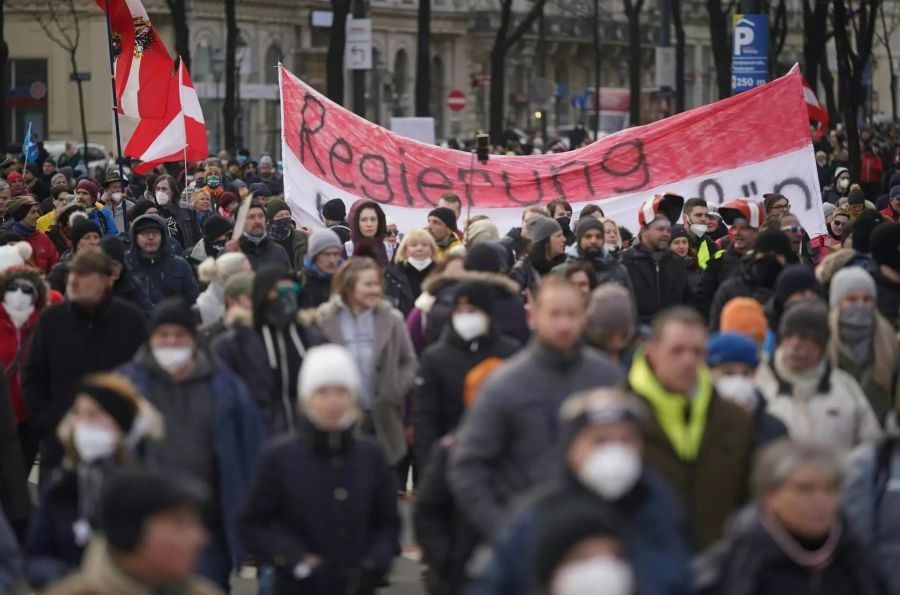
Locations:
(456, 100)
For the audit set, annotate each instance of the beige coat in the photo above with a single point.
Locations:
(100, 576)
(395, 370)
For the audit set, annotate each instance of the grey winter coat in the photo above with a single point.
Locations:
(507, 442)
(872, 505)
(395, 370)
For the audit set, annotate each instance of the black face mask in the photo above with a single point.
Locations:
(215, 248)
(565, 223)
(767, 269)
(281, 229)
(280, 311)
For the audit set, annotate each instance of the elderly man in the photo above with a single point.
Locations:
(256, 243)
(815, 401)
(87, 195)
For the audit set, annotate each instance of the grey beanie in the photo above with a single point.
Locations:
(847, 281)
(828, 209)
(806, 318)
(322, 240)
(540, 228)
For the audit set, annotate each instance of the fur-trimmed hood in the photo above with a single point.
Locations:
(832, 264)
(148, 425)
(501, 283)
(31, 275)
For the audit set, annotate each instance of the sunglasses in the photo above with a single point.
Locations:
(392, 234)
(837, 223)
(26, 287)
(286, 289)
(792, 228)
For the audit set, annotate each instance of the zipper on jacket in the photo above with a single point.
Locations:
(658, 293)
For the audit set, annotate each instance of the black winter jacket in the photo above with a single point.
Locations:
(438, 401)
(315, 289)
(325, 494)
(719, 269)
(403, 285)
(659, 280)
(185, 221)
(266, 253)
(743, 284)
(164, 274)
(67, 343)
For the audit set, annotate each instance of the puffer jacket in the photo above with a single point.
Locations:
(744, 283)
(658, 281)
(164, 274)
(835, 410)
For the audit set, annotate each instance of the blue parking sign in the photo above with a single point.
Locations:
(750, 53)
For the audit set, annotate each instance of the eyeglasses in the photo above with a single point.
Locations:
(286, 289)
(792, 228)
(782, 206)
(26, 287)
(392, 234)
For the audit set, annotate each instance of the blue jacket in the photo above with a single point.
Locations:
(164, 274)
(655, 540)
(104, 221)
(237, 439)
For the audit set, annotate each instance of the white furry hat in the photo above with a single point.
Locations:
(14, 256)
(328, 365)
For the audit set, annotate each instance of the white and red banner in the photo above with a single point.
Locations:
(180, 135)
(744, 146)
(143, 66)
(817, 113)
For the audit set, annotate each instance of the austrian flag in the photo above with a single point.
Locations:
(180, 135)
(142, 63)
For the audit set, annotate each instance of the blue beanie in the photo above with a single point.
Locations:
(731, 348)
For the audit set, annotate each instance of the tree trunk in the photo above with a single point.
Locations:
(680, 49)
(886, 38)
(4, 61)
(423, 60)
(84, 134)
(334, 61)
(178, 8)
(596, 35)
(828, 86)
(721, 46)
(229, 107)
(633, 13)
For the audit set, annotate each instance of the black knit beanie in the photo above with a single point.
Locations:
(478, 295)
(174, 310)
(121, 407)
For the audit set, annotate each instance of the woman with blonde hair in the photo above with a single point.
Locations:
(201, 202)
(611, 235)
(415, 260)
(358, 317)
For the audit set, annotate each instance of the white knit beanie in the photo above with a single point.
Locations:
(328, 365)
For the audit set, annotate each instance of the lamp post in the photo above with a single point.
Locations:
(218, 69)
(240, 54)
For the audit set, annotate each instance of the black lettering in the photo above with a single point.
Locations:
(799, 183)
(555, 171)
(384, 181)
(717, 188)
(422, 183)
(403, 183)
(611, 158)
(508, 187)
(465, 176)
(306, 133)
(346, 158)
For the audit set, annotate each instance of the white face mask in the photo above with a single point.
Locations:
(93, 443)
(162, 198)
(843, 183)
(738, 389)
(611, 470)
(172, 359)
(469, 325)
(18, 300)
(606, 575)
(420, 264)
(698, 229)
(116, 197)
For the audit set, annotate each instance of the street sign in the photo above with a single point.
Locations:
(456, 100)
(579, 101)
(358, 49)
(750, 52)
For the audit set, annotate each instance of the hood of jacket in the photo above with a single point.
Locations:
(353, 218)
(502, 284)
(263, 282)
(165, 248)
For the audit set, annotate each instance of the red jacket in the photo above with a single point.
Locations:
(45, 254)
(871, 170)
(890, 214)
(13, 341)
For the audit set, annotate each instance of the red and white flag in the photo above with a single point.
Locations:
(143, 66)
(817, 113)
(180, 135)
(736, 147)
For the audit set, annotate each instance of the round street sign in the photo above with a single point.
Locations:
(456, 100)
(38, 90)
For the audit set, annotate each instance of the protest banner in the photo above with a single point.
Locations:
(743, 146)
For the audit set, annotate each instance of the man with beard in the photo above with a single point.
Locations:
(256, 243)
(658, 277)
(696, 221)
(591, 248)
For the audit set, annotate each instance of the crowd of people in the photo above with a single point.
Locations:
(706, 404)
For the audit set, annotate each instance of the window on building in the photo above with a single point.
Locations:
(26, 98)
(436, 100)
(401, 84)
(273, 57)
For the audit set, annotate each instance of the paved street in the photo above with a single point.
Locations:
(406, 578)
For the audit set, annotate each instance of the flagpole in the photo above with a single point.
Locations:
(183, 117)
(112, 75)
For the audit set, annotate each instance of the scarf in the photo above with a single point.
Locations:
(256, 241)
(802, 384)
(815, 560)
(23, 230)
(855, 325)
(681, 417)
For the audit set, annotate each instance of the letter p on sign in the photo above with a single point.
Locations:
(743, 36)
